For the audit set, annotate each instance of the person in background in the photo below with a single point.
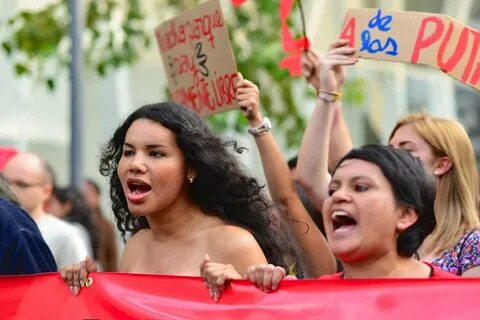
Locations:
(107, 252)
(22, 248)
(67, 203)
(28, 176)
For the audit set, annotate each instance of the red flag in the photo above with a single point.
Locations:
(293, 48)
(135, 296)
(238, 3)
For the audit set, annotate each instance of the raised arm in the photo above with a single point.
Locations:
(327, 75)
(281, 185)
(340, 140)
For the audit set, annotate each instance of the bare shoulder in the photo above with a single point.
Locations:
(232, 237)
(236, 246)
(132, 248)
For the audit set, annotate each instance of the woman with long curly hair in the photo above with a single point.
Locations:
(175, 186)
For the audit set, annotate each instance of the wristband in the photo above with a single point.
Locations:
(262, 128)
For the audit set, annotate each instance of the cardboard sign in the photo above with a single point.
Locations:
(198, 59)
(433, 39)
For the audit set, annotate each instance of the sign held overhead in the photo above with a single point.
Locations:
(198, 59)
(415, 37)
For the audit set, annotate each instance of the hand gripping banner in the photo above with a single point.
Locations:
(134, 296)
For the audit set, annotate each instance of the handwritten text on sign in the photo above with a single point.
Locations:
(196, 52)
(434, 39)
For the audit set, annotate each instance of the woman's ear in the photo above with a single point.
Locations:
(407, 218)
(442, 166)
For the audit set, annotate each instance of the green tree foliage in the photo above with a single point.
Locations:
(38, 42)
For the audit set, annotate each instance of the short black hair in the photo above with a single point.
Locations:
(412, 187)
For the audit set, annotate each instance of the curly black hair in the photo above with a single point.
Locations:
(220, 188)
(412, 187)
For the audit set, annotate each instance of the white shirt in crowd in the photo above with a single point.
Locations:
(63, 239)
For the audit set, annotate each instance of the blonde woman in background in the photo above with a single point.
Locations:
(441, 144)
(445, 149)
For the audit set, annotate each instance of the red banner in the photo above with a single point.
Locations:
(133, 296)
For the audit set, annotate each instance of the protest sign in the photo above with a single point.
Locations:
(198, 59)
(414, 37)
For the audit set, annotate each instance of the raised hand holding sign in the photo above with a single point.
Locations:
(198, 59)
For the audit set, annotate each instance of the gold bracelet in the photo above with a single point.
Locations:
(329, 96)
(332, 93)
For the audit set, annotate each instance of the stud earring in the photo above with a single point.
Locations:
(190, 179)
(436, 173)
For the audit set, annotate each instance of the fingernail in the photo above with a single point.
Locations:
(82, 283)
(76, 290)
(210, 293)
(71, 289)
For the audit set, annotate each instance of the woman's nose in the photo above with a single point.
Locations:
(137, 164)
(340, 195)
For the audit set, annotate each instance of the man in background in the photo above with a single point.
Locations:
(22, 248)
(30, 179)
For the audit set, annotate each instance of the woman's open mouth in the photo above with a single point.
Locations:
(342, 221)
(137, 190)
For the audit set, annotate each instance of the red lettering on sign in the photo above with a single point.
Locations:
(473, 55)
(219, 92)
(475, 76)
(224, 89)
(195, 29)
(348, 33)
(424, 41)
(460, 48)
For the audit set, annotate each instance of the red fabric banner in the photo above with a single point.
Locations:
(135, 296)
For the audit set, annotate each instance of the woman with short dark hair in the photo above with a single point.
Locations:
(379, 209)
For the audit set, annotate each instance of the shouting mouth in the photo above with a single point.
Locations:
(137, 190)
(342, 221)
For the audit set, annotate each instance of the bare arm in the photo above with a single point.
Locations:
(340, 140)
(282, 188)
(313, 160)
